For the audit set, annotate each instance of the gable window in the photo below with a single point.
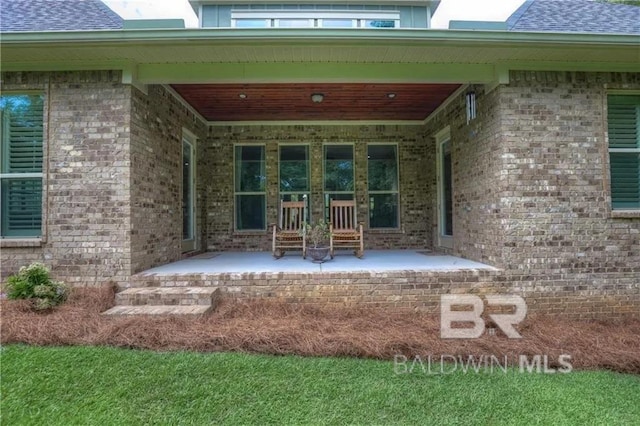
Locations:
(314, 19)
(382, 167)
(21, 116)
(294, 173)
(624, 150)
(338, 174)
(250, 194)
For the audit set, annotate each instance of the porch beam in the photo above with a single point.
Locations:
(130, 76)
(315, 72)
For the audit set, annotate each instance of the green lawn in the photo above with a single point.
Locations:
(97, 385)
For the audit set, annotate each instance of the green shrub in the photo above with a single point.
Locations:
(34, 282)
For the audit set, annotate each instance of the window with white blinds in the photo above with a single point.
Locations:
(624, 150)
(21, 116)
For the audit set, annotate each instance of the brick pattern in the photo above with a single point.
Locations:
(113, 177)
(218, 188)
(531, 192)
(559, 233)
(86, 239)
(478, 182)
(158, 296)
(558, 219)
(530, 180)
(157, 120)
(411, 290)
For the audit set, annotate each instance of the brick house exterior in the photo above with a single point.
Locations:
(530, 178)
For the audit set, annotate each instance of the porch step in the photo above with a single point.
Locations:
(165, 301)
(168, 296)
(191, 310)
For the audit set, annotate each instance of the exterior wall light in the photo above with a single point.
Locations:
(471, 105)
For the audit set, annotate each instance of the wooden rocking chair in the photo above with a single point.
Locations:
(286, 234)
(343, 227)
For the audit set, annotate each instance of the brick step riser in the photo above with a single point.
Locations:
(171, 283)
(164, 310)
(175, 301)
(164, 299)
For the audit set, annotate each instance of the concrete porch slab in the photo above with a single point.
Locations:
(263, 262)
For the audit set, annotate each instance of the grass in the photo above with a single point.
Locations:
(102, 385)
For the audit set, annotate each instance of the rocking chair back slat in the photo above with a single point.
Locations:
(344, 230)
(292, 215)
(342, 214)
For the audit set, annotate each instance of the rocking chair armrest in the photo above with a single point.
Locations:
(274, 225)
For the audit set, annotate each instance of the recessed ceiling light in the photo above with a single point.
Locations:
(242, 96)
(391, 95)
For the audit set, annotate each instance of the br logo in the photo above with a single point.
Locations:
(504, 321)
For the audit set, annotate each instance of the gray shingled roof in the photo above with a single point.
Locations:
(56, 15)
(586, 16)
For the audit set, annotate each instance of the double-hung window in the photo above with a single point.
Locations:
(338, 174)
(624, 150)
(21, 116)
(382, 162)
(250, 193)
(294, 174)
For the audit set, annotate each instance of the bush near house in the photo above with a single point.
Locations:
(34, 283)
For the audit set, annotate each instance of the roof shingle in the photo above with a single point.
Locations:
(56, 15)
(585, 16)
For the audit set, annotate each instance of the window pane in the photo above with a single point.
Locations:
(338, 170)
(377, 23)
(22, 118)
(383, 168)
(625, 180)
(250, 169)
(294, 168)
(447, 190)
(624, 134)
(294, 23)
(187, 192)
(21, 207)
(250, 212)
(383, 210)
(252, 23)
(337, 23)
(623, 116)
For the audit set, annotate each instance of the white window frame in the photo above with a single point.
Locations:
(397, 191)
(316, 17)
(306, 194)
(34, 175)
(189, 139)
(629, 151)
(325, 194)
(443, 137)
(235, 193)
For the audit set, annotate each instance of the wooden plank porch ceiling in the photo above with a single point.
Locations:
(352, 101)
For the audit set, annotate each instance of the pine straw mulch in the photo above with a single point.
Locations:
(278, 328)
